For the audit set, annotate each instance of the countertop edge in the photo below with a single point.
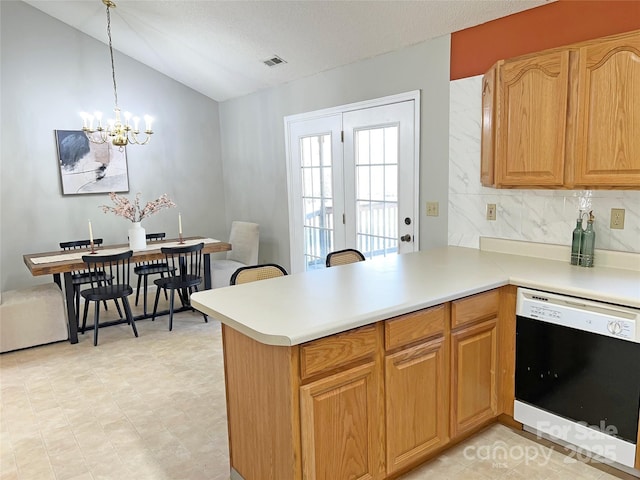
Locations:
(502, 269)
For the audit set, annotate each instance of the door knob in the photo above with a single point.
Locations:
(405, 238)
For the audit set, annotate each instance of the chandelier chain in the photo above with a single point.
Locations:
(119, 131)
(113, 69)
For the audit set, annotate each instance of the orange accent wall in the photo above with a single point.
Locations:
(560, 23)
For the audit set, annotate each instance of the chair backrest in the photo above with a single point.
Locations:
(115, 266)
(342, 257)
(152, 237)
(184, 260)
(79, 245)
(244, 239)
(257, 272)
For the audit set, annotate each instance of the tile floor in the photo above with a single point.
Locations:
(153, 408)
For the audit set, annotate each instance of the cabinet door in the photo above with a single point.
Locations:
(341, 426)
(487, 140)
(473, 376)
(532, 120)
(416, 403)
(608, 147)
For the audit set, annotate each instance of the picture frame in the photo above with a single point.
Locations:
(89, 168)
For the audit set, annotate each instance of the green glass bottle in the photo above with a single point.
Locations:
(576, 241)
(587, 245)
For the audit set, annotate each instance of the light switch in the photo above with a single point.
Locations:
(432, 209)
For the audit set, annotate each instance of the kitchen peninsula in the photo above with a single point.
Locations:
(368, 369)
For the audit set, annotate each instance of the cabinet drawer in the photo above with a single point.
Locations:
(414, 326)
(337, 350)
(475, 308)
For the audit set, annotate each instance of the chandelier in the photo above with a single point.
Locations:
(116, 131)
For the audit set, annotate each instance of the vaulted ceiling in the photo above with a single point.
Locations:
(218, 48)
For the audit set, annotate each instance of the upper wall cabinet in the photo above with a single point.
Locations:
(564, 118)
(608, 134)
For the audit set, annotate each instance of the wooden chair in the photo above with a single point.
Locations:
(342, 257)
(117, 268)
(81, 277)
(153, 267)
(256, 272)
(184, 275)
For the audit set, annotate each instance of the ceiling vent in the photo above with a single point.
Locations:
(273, 61)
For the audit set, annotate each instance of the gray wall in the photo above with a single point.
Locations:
(50, 72)
(252, 132)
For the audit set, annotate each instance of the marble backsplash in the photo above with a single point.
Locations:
(546, 216)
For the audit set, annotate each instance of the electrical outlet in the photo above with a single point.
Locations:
(617, 218)
(491, 211)
(432, 209)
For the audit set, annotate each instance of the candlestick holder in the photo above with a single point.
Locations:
(180, 239)
(93, 249)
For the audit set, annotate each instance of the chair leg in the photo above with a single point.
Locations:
(144, 295)
(183, 295)
(127, 309)
(155, 304)
(76, 294)
(95, 324)
(204, 315)
(117, 307)
(171, 309)
(166, 297)
(138, 290)
(84, 316)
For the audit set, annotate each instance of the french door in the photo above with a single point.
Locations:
(352, 177)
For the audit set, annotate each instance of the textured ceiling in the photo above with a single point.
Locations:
(217, 47)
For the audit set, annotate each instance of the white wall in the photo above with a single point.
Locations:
(50, 72)
(252, 132)
(546, 216)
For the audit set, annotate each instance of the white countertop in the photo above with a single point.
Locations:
(298, 308)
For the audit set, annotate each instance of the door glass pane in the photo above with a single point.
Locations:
(317, 199)
(376, 153)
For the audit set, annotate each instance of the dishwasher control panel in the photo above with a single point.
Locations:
(596, 317)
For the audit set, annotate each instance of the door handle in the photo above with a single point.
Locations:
(405, 238)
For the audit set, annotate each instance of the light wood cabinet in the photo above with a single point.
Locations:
(564, 118)
(474, 395)
(340, 425)
(488, 137)
(416, 385)
(608, 144)
(531, 128)
(417, 410)
(369, 403)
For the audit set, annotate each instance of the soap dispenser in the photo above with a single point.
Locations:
(576, 241)
(587, 245)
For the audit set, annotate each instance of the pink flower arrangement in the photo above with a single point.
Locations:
(131, 211)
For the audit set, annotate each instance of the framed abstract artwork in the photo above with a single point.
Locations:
(87, 167)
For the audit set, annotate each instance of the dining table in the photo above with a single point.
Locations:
(64, 262)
